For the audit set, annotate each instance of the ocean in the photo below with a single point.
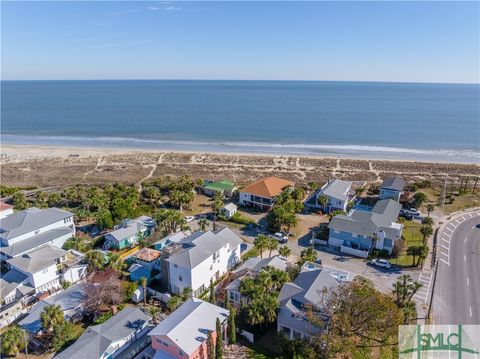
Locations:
(431, 122)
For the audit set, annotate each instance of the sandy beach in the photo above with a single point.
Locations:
(38, 165)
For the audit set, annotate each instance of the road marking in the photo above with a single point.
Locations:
(448, 249)
(444, 261)
(447, 235)
(446, 240)
(465, 258)
(470, 310)
(468, 283)
(466, 239)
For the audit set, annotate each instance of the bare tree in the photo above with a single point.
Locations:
(102, 289)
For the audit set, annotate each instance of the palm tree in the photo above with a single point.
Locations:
(143, 283)
(217, 205)
(426, 231)
(51, 316)
(404, 289)
(203, 224)
(261, 243)
(270, 308)
(248, 288)
(322, 201)
(307, 255)
(272, 245)
(13, 340)
(255, 313)
(115, 261)
(409, 312)
(430, 208)
(284, 251)
(154, 312)
(95, 260)
(186, 293)
(173, 303)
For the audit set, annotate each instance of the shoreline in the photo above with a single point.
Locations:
(45, 166)
(21, 152)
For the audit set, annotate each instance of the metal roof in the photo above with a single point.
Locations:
(188, 326)
(337, 189)
(96, 339)
(37, 259)
(393, 183)
(30, 220)
(202, 245)
(30, 243)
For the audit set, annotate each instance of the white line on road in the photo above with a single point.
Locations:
(446, 228)
(470, 310)
(468, 283)
(444, 261)
(446, 240)
(448, 249)
(466, 239)
(465, 258)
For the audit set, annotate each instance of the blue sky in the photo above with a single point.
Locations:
(359, 41)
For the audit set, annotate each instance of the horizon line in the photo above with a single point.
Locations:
(246, 80)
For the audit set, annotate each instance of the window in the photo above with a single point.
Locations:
(180, 352)
(180, 278)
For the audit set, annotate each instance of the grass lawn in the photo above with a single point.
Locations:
(413, 237)
(255, 354)
(454, 202)
(251, 253)
(200, 204)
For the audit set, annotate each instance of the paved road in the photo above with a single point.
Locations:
(457, 290)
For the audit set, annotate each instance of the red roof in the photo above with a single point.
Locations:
(267, 187)
(4, 206)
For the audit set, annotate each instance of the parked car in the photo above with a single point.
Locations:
(380, 263)
(189, 218)
(282, 238)
(411, 211)
(407, 216)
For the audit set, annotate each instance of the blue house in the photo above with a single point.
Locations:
(392, 188)
(360, 231)
(137, 272)
(147, 264)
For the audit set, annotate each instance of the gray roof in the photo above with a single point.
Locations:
(130, 229)
(230, 207)
(37, 259)
(188, 326)
(384, 213)
(69, 300)
(202, 245)
(173, 238)
(337, 189)
(35, 241)
(256, 264)
(30, 220)
(393, 183)
(10, 281)
(306, 290)
(97, 338)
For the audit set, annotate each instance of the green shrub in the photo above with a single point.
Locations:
(239, 219)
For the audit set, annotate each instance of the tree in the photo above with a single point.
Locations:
(307, 255)
(115, 261)
(409, 312)
(101, 288)
(322, 201)
(284, 251)
(203, 224)
(414, 251)
(426, 232)
(418, 199)
(430, 208)
(95, 260)
(374, 239)
(168, 220)
(13, 340)
(186, 293)
(62, 334)
(104, 219)
(210, 346)
(212, 298)
(128, 288)
(261, 243)
(360, 318)
(173, 303)
(219, 344)
(404, 289)
(54, 199)
(143, 283)
(217, 205)
(19, 200)
(428, 221)
(272, 245)
(154, 313)
(51, 317)
(231, 327)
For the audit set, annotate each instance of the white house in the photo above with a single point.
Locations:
(41, 270)
(32, 228)
(392, 188)
(339, 194)
(229, 210)
(5, 210)
(201, 258)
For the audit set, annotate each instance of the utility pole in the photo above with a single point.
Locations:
(441, 200)
(26, 343)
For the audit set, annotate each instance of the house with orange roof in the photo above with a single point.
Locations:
(262, 193)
